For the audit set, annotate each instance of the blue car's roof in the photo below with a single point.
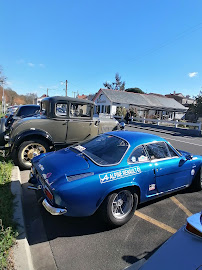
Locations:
(136, 138)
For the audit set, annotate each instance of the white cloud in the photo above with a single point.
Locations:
(42, 65)
(192, 74)
(30, 64)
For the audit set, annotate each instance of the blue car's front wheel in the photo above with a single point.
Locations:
(119, 207)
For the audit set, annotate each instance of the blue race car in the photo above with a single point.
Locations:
(112, 173)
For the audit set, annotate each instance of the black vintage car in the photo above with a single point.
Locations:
(12, 116)
(62, 121)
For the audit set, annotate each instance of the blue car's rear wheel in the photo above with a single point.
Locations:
(119, 207)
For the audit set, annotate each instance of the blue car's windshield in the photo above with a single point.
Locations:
(104, 149)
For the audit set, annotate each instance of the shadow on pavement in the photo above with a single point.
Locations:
(36, 217)
(168, 130)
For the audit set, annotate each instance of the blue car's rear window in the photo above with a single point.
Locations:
(104, 149)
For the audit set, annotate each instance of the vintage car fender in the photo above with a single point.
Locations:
(23, 136)
(133, 185)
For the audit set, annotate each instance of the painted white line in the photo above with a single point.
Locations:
(181, 141)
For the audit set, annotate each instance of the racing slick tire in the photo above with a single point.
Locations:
(197, 182)
(27, 150)
(119, 207)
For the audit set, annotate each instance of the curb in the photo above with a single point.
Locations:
(21, 251)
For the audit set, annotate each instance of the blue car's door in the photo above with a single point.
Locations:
(146, 177)
(171, 170)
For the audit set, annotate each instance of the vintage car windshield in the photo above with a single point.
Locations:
(104, 149)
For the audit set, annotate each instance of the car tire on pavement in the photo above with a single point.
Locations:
(27, 150)
(119, 207)
(2, 126)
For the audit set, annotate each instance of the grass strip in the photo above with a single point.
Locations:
(8, 230)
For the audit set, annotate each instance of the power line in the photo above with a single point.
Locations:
(172, 40)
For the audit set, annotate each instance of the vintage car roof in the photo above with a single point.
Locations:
(29, 105)
(136, 138)
(62, 98)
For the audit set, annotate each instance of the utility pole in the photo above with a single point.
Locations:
(74, 92)
(47, 92)
(66, 87)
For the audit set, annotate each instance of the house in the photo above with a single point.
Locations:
(108, 101)
(184, 100)
(38, 100)
(87, 97)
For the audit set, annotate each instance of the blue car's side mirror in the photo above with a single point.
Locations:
(188, 157)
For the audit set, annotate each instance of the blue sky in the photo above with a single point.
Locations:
(153, 44)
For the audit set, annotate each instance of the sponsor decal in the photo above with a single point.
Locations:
(48, 175)
(152, 187)
(41, 167)
(115, 175)
(80, 148)
(192, 172)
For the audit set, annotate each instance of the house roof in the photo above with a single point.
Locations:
(147, 101)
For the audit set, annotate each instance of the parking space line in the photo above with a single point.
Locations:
(168, 138)
(156, 222)
(181, 206)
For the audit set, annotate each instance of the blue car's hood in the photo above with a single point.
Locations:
(64, 162)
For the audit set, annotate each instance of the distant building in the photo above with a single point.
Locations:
(145, 105)
(38, 100)
(87, 97)
(184, 100)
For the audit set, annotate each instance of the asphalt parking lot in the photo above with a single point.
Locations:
(59, 242)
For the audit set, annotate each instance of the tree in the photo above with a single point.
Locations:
(198, 104)
(134, 90)
(117, 85)
(11, 96)
(195, 110)
(2, 78)
(29, 98)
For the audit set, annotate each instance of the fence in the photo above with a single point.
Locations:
(176, 123)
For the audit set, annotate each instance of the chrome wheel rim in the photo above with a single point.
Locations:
(30, 151)
(122, 204)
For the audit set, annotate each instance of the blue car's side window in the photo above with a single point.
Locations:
(171, 151)
(157, 150)
(138, 155)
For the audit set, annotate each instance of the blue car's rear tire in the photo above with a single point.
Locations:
(119, 207)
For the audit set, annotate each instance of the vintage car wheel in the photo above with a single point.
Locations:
(119, 207)
(27, 150)
(197, 182)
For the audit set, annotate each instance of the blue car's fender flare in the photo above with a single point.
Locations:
(26, 135)
(127, 185)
